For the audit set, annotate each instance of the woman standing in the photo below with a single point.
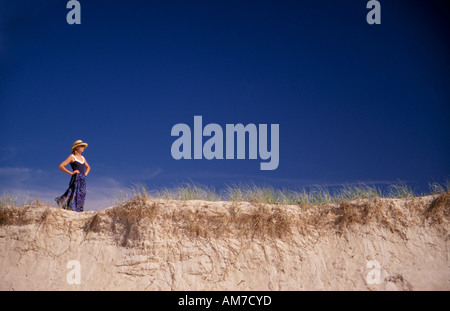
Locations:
(73, 198)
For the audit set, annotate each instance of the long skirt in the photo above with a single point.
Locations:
(73, 198)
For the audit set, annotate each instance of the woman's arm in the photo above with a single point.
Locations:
(63, 165)
(88, 168)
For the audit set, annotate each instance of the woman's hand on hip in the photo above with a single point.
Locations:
(75, 172)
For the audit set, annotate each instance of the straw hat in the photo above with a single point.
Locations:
(79, 143)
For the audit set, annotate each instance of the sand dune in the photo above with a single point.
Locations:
(158, 244)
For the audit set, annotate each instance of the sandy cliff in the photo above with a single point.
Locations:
(156, 244)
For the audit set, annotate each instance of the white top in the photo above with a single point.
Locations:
(77, 159)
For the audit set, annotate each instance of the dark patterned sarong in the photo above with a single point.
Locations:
(73, 198)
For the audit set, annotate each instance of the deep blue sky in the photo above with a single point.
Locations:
(354, 102)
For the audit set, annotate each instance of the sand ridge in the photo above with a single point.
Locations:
(160, 244)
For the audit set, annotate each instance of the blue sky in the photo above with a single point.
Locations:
(354, 102)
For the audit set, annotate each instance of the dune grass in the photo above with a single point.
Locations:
(316, 194)
(9, 199)
(189, 191)
(313, 195)
(128, 219)
(264, 221)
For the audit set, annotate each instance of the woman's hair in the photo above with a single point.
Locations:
(74, 151)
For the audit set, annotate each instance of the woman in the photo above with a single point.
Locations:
(73, 198)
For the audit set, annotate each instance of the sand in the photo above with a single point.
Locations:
(157, 244)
